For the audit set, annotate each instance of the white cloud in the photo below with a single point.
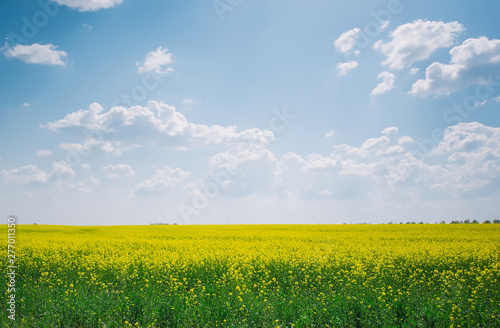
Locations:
(465, 164)
(24, 174)
(62, 169)
(390, 131)
(347, 40)
(325, 193)
(416, 41)
(86, 147)
(31, 174)
(237, 172)
(475, 61)
(36, 54)
(163, 179)
(346, 67)
(480, 103)
(86, 186)
(386, 84)
(89, 5)
(384, 25)
(329, 134)
(156, 117)
(472, 153)
(190, 102)
(414, 70)
(43, 152)
(118, 171)
(156, 61)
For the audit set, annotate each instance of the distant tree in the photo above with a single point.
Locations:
(475, 221)
(496, 221)
(487, 222)
(421, 222)
(456, 222)
(467, 221)
(443, 222)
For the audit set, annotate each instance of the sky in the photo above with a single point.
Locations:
(249, 112)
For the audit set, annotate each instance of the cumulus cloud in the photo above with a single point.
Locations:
(32, 175)
(86, 5)
(472, 153)
(163, 179)
(346, 67)
(43, 152)
(37, 54)
(475, 61)
(239, 171)
(24, 174)
(347, 40)
(158, 117)
(156, 61)
(118, 171)
(464, 164)
(416, 41)
(386, 84)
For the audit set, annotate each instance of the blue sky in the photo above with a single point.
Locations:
(132, 112)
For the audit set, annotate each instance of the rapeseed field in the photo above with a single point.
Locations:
(258, 276)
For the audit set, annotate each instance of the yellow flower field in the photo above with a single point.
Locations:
(259, 276)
